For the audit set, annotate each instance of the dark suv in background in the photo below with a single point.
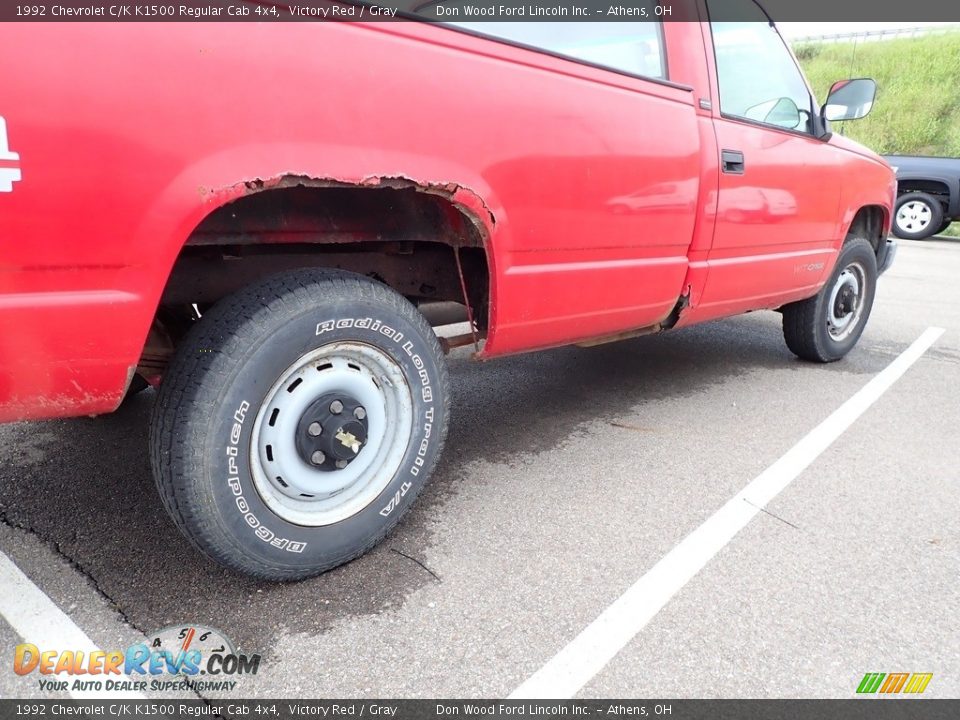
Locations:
(928, 195)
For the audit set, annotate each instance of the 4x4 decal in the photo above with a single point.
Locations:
(8, 175)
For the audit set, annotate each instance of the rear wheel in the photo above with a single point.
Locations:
(917, 216)
(298, 422)
(825, 327)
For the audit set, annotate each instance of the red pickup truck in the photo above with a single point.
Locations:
(250, 216)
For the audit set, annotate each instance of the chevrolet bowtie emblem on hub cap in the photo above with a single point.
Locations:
(348, 440)
(8, 175)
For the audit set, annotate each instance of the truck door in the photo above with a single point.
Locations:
(777, 225)
(591, 147)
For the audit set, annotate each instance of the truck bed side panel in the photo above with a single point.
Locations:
(128, 135)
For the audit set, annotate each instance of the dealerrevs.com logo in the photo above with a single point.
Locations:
(173, 658)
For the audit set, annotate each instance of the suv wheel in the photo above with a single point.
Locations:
(917, 216)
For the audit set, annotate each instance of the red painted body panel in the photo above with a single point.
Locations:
(597, 192)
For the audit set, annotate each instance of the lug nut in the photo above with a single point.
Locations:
(314, 430)
(336, 407)
(341, 464)
(318, 458)
(359, 413)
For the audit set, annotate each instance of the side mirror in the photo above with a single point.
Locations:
(849, 99)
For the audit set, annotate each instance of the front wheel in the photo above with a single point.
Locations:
(298, 421)
(825, 327)
(917, 216)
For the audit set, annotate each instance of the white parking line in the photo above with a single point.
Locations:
(38, 620)
(588, 653)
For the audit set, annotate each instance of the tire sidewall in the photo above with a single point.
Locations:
(246, 519)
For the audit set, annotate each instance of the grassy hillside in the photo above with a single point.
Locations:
(918, 98)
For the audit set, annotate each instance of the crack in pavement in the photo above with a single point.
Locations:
(75, 564)
(418, 562)
(89, 577)
(776, 517)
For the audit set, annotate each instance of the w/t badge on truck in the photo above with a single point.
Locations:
(8, 175)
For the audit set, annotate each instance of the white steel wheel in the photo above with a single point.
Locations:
(331, 433)
(845, 305)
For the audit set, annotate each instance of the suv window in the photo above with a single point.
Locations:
(759, 79)
(635, 48)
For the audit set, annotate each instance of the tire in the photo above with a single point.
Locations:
(825, 327)
(246, 407)
(917, 216)
(944, 225)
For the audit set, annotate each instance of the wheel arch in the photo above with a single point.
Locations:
(871, 222)
(944, 188)
(463, 216)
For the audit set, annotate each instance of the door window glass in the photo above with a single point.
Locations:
(758, 77)
(635, 48)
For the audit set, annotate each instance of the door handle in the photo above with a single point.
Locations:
(732, 161)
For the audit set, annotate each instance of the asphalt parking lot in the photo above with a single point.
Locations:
(568, 475)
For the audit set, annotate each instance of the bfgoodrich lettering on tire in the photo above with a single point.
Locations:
(299, 420)
(825, 327)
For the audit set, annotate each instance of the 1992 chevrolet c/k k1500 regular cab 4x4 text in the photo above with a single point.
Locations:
(249, 216)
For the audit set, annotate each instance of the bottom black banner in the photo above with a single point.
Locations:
(861, 708)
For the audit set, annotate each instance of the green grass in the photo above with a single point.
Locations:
(917, 111)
